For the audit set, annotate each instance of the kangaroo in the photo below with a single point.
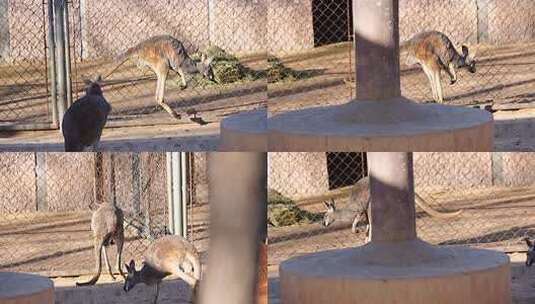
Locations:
(359, 203)
(167, 255)
(107, 227)
(164, 53)
(530, 254)
(434, 52)
(84, 120)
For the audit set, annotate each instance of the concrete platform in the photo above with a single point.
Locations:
(21, 288)
(393, 125)
(403, 272)
(245, 132)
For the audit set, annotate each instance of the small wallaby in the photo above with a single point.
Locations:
(359, 206)
(167, 255)
(530, 254)
(164, 53)
(107, 227)
(434, 52)
(85, 119)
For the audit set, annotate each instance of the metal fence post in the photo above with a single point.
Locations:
(177, 192)
(40, 182)
(52, 63)
(60, 58)
(482, 20)
(5, 39)
(136, 183)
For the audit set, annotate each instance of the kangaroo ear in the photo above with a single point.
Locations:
(132, 265)
(327, 205)
(465, 50)
(528, 242)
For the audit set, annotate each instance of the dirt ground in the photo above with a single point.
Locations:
(109, 291)
(494, 218)
(61, 244)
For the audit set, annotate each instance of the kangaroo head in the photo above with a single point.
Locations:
(530, 255)
(328, 216)
(132, 278)
(92, 86)
(468, 60)
(205, 67)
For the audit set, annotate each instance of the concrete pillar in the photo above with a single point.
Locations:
(393, 215)
(22, 288)
(238, 214)
(377, 49)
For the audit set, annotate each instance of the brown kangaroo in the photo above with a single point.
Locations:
(167, 255)
(164, 53)
(85, 119)
(434, 52)
(107, 227)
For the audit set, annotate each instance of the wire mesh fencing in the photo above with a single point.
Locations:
(98, 32)
(24, 90)
(475, 199)
(318, 42)
(48, 200)
(228, 31)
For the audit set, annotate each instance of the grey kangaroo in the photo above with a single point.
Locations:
(164, 53)
(107, 227)
(434, 52)
(358, 207)
(167, 255)
(85, 119)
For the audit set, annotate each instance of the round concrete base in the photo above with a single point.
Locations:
(19, 288)
(404, 272)
(391, 125)
(244, 132)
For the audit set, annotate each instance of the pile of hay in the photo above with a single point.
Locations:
(278, 72)
(227, 69)
(282, 211)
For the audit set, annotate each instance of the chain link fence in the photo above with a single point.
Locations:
(99, 31)
(24, 90)
(477, 199)
(320, 49)
(47, 200)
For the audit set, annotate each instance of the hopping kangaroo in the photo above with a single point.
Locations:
(167, 255)
(107, 226)
(84, 120)
(164, 53)
(359, 203)
(434, 52)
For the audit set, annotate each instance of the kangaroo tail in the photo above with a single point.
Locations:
(433, 212)
(121, 59)
(98, 266)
